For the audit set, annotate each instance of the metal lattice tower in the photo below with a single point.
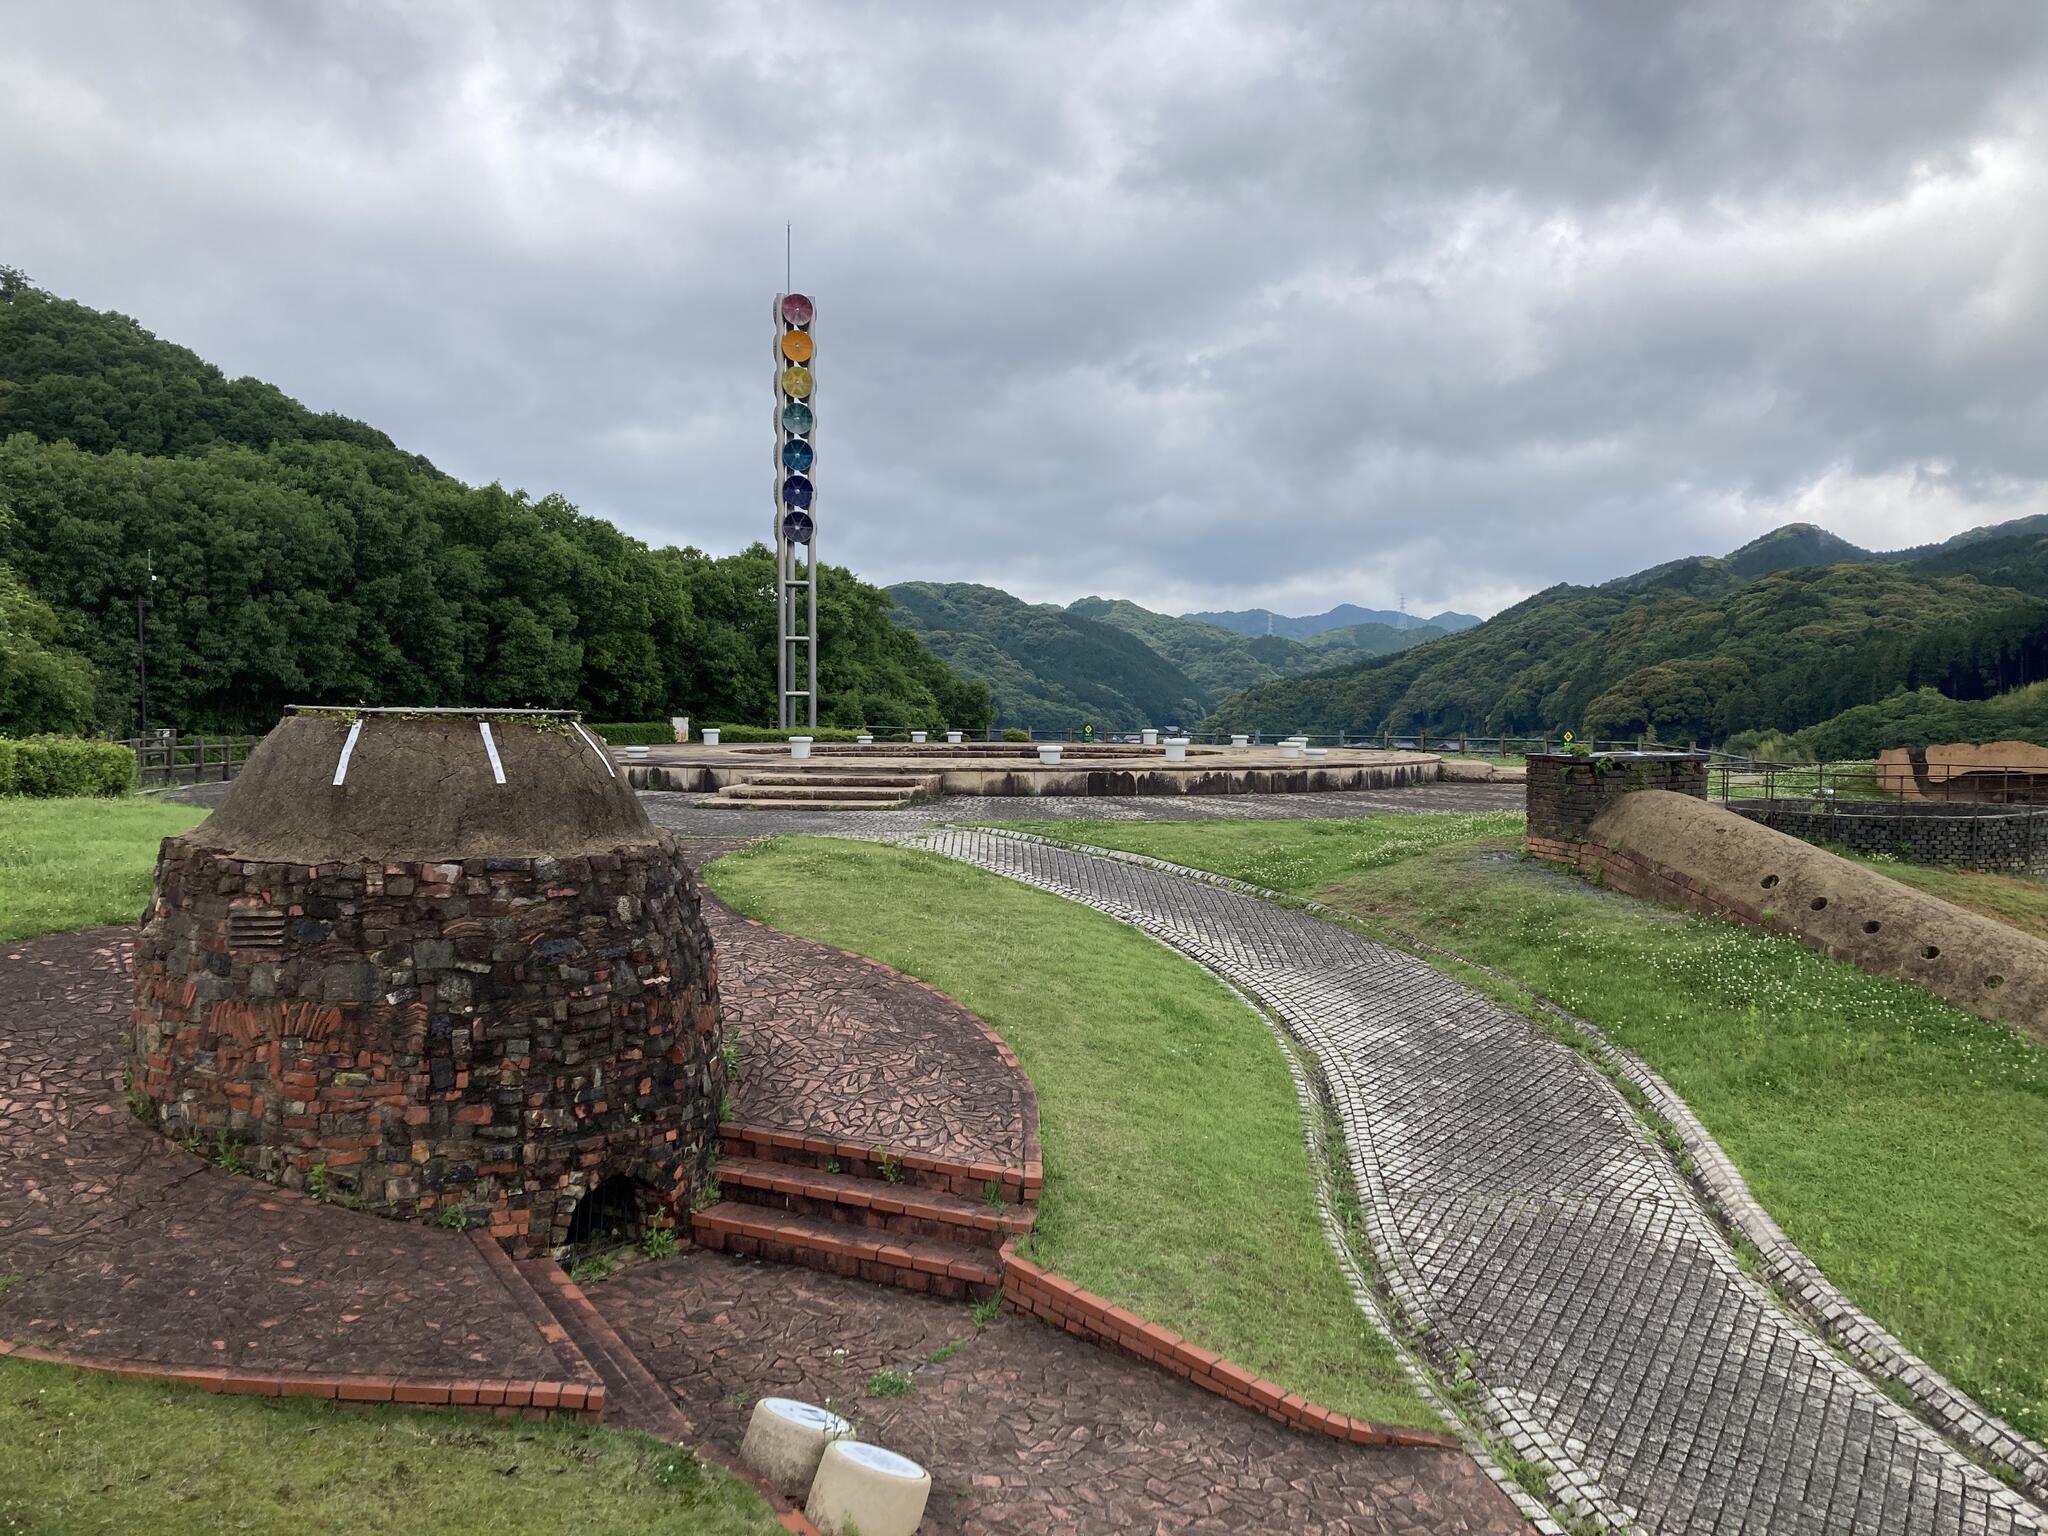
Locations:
(795, 525)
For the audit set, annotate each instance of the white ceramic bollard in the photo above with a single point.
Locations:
(865, 739)
(953, 737)
(1149, 736)
(1315, 751)
(917, 736)
(865, 1488)
(710, 735)
(786, 1438)
(1290, 749)
(1176, 749)
(1049, 752)
(799, 746)
(636, 754)
(1240, 741)
(680, 725)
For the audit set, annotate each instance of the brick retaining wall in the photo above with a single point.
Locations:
(1565, 793)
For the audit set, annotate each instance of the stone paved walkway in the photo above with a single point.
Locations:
(1521, 1210)
(122, 1245)
(1024, 1429)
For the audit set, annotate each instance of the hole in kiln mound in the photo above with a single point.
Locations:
(616, 1211)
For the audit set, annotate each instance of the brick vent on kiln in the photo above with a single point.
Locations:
(437, 961)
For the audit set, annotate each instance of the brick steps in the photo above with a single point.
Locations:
(796, 789)
(723, 802)
(891, 781)
(815, 1242)
(913, 1170)
(878, 1206)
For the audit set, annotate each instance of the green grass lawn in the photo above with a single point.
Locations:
(1176, 1178)
(81, 1453)
(1903, 1144)
(80, 863)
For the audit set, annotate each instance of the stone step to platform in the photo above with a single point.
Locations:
(914, 1264)
(929, 785)
(872, 1204)
(753, 789)
(720, 802)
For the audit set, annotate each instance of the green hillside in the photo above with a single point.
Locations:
(302, 558)
(1703, 648)
(1219, 661)
(1924, 717)
(1046, 667)
(1263, 621)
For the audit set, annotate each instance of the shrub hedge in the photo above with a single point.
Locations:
(1015, 733)
(636, 733)
(51, 766)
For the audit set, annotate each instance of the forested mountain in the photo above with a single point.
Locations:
(1920, 718)
(1263, 621)
(1108, 662)
(1047, 667)
(1219, 661)
(1703, 648)
(302, 558)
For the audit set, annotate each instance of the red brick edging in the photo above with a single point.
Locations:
(1036, 1291)
(505, 1398)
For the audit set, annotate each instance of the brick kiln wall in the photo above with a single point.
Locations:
(495, 1035)
(1564, 794)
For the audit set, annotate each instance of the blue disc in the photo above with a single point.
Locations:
(796, 491)
(796, 455)
(796, 527)
(796, 417)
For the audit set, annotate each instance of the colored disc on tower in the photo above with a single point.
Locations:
(796, 417)
(796, 309)
(796, 346)
(796, 382)
(796, 491)
(796, 455)
(796, 527)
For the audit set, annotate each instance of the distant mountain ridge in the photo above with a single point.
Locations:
(1108, 662)
(1264, 621)
(1785, 632)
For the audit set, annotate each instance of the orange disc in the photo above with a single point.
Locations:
(796, 346)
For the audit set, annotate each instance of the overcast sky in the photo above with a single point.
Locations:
(1206, 305)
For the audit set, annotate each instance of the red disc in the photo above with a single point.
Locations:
(796, 310)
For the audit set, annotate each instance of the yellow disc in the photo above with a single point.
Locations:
(796, 382)
(796, 346)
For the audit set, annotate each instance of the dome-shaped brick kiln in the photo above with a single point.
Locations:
(437, 961)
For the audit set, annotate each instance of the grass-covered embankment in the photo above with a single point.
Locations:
(1176, 1176)
(1903, 1144)
(80, 863)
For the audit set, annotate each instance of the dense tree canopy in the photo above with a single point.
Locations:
(299, 558)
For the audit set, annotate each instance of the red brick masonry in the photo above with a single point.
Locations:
(1037, 1292)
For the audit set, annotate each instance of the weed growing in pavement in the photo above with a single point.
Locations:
(596, 1267)
(316, 1182)
(658, 1243)
(227, 1156)
(8, 1283)
(1532, 1477)
(831, 1165)
(888, 1384)
(986, 1312)
(992, 1194)
(138, 1101)
(945, 1352)
(708, 1194)
(892, 1167)
(455, 1219)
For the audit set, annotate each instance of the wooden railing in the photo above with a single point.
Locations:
(166, 760)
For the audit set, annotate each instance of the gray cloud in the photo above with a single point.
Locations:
(1203, 304)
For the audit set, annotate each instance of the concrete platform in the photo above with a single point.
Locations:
(1012, 768)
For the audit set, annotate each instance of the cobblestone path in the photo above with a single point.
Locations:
(1026, 1431)
(1521, 1212)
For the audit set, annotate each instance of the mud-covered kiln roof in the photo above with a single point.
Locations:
(358, 785)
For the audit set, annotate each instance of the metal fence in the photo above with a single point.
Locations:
(1959, 782)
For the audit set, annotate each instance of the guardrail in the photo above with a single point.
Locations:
(165, 759)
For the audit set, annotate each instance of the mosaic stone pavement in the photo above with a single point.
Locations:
(1522, 1213)
(1025, 1430)
(849, 1050)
